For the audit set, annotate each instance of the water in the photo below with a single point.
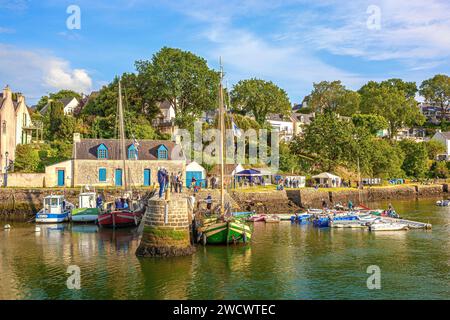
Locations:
(283, 262)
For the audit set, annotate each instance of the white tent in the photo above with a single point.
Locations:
(327, 179)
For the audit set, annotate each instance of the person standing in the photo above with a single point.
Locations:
(161, 181)
(208, 202)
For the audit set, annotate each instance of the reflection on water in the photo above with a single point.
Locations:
(284, 261)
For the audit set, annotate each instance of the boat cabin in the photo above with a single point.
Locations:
(54, 204)
(87, 200)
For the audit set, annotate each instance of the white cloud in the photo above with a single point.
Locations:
(37, 72)
(6, 30)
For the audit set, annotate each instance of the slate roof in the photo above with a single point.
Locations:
(86, 149)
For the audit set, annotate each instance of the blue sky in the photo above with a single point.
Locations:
(291, 42)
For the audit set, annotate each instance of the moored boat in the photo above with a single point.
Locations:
(272, 219)
(121, 218)
(387, 226)
(87, 210)
(56, 209)
(224, 232)
(257, 218)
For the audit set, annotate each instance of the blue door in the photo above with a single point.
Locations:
(198, 177)
(118, 177)
(147, 179)
(61, 175)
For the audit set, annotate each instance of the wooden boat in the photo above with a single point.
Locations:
(121, 218)
(272, 219)
(56, 209)
(387, 226)
(87, 210)
(225, 232)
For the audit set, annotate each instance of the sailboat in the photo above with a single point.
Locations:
(224, 229)
(128, 216)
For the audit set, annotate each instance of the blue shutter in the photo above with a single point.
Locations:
(102, 175)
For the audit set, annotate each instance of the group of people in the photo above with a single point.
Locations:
(122, 204)
(174, 181)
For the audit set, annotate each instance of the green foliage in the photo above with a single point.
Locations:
(259, 98)
(27, 158)
(391, 102)
(56, 118)
(334, 97)
(371, 122)
(439, 169)
(182, 78)
(437, 91)
(434, 148)
(416, 158)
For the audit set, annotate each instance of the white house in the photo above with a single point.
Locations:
(70, 104)
(443, 137)
(194, 169)
(285, 125)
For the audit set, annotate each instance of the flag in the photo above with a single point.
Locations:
(236, 131)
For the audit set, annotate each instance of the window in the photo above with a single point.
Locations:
(102, 175)
(132, 152)
(4, 126)
(163, 153)
(102, 152)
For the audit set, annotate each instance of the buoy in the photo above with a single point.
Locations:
(7, 227)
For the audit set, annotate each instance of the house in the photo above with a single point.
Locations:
(98, 162)
(165, 121)
(303, 119)
(194, 169)
(15, 125)
(444, 138)
(433, 113)
(286, 125)
(70, 105)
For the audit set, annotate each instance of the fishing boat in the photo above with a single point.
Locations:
(387, 226)
(272, 219)
(130, 215)
(56, 209)
(87, 210)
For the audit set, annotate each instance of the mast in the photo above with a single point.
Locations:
(122, 138)
(222, 135)
(359, 183)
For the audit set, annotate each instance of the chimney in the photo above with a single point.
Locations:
(7, 94)
(76, 137)
(20, 98)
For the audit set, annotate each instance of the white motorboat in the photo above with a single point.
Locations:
(56, 209)
(387, 226)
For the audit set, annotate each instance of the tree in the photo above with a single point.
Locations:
(439, 170)
(434, 148)
(27, 158)
(333, 96)
(259, 98)
(409, 88)
(57, 96)
(416, 158)
(182, 78)
(386, 159)
(437, 91)
(392, 103)
(56, 119)
(371, 122)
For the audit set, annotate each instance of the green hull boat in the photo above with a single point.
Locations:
(226, 232)
(85, 214)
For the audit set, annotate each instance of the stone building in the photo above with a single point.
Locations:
(98, 162)
(14, 124)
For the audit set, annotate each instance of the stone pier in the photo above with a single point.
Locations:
(166, 229)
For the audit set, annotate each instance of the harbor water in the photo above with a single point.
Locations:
(284, 261)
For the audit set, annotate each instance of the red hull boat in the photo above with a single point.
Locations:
(120, 219)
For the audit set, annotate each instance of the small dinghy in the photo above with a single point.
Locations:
(271, 219)
(387, 226)
(443, 203)
(257, 218)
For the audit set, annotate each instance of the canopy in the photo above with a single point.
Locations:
(249, 172)
(325, 175)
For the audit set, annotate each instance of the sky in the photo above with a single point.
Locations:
(293, 43)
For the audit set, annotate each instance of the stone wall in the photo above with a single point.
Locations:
(275, 202)
(25, 180)
(169, 235)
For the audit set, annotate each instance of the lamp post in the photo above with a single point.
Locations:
(5, 183)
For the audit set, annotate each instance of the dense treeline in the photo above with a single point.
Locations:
(344, 134)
